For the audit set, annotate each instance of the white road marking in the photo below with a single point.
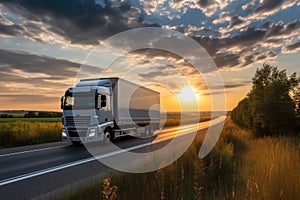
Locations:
(83, 161)
(31, 151)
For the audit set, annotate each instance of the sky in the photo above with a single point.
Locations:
(43, 45)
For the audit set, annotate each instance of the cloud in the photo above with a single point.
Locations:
(235, 85)
(201, 31)
(267, 8)
(235, 20)
(282, 30)
(235, 23)
(24, 74)
(153, 74)
(226, 51)
(10, 29)
(250, 5)
(251, 44)
(231, 38)
(151, 6)
(226, 59)
(33, 63)
(293, 48)
(28, 99)
(257, 57)
(223, 17)
(269, 5)
(177, 8)
(81, 22)
(209, 7)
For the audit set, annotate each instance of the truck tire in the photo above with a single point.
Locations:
(110, 135)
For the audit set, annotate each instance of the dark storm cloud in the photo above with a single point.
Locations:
(292, 48)
(258, 56)
(268, 5)
(282, 29)
(247, 38)
(235, 20)
(205, 3)
(32, 63)
(244, 49)
(246, 41)
(226, 59)
(34, 78)
(11, 30)
(252, 44)
(83, 22)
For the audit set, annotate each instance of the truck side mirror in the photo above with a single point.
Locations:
(62, 99)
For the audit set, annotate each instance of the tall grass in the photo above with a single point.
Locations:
(239, 167)
(271, 169)
(17, 133)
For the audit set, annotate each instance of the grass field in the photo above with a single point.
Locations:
(26, 131)
(239, 167)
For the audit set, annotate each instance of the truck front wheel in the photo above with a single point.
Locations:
(110, 135)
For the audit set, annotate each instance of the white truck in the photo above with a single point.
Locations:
(107, 108)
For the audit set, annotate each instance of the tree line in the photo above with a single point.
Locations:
(33, 114)
(272, 107)
(42, 114)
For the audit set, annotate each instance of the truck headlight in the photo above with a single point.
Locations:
(92, 132)
(64, 132)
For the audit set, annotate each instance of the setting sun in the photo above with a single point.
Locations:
(187, 94)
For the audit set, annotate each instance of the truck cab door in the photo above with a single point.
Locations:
(104, 108)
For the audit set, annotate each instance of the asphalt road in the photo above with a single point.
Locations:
(35, 171)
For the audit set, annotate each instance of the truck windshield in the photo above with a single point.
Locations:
(79, 102)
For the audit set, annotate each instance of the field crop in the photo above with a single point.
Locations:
(25, 131)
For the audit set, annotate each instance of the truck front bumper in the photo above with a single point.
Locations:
(93, 134)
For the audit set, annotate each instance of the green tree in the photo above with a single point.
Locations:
(270, 107)
(240, 115)
(30, 114)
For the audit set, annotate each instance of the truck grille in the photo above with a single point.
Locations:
(78, 120)
(73, 132)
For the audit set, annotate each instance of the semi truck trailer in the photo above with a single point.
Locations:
(108, 108)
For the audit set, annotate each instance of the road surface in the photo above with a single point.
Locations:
(34, 171)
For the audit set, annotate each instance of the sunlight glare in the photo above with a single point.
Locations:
(187, 94)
